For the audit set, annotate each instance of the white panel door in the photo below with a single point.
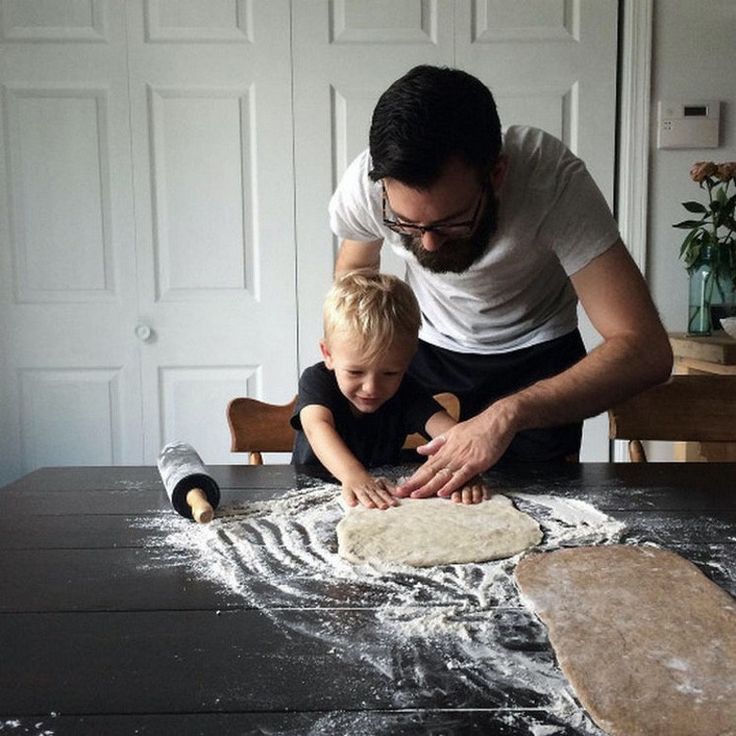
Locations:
(147, 224)
(550, 63)
(69, 381)
(210, 85)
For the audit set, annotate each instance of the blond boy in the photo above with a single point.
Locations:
(356, 407)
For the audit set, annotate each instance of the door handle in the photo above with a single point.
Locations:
(143, 332)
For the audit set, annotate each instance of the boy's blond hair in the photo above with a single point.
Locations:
(374, 309)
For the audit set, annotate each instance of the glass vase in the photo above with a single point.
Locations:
(712, 295)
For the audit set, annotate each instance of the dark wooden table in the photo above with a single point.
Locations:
(93, 640)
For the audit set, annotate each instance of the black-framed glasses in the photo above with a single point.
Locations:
(462, 229)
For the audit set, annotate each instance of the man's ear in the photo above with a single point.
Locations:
(326, 354)
(499, 171)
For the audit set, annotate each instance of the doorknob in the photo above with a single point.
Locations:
(143, 332)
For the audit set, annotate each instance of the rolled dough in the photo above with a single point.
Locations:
(436, 531)
(646, 640)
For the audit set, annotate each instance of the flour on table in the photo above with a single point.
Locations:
(30, 726)
(281, 554)
(436, 531)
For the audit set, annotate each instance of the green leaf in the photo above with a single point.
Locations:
(694, 207)
(689, 224)
(687, 244)
(692, 255)
(691, 247)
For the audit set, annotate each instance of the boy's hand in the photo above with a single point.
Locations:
(474, 491)
(373, 493)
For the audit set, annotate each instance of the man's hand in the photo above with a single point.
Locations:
(460, 454)
(373, 493)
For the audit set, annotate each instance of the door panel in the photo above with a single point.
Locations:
(549, 63)
(70, 384)
(211, 137)
(53, 428)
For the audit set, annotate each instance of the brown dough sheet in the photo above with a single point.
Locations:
(647, 642)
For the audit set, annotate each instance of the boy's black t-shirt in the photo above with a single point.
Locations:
(375, 439)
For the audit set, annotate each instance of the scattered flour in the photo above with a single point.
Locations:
(16, 727)
(282, 554)
(132, 485)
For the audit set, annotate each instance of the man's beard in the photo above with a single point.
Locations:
(456, 256)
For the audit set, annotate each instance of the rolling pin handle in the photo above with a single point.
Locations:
(202, 511)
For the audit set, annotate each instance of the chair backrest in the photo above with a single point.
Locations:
(687, 408)
(257, 427)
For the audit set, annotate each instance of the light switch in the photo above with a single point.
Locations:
(688, 124)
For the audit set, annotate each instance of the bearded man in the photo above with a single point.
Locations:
(502, 232)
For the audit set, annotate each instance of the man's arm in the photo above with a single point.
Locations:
(355, 254)
(634, 355)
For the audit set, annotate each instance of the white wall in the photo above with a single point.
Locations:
(693, 58)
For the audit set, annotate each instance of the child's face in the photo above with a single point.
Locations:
(367, 385)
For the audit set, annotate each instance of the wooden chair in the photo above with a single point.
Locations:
(687, 408)
(257, 427)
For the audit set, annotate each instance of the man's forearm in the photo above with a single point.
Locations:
(355, 254)
(615, 370)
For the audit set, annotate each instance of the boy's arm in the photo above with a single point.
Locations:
(438, 423)
(358, 485)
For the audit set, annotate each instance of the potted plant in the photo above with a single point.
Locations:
(709, 248)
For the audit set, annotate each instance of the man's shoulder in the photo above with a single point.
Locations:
(537, 159)
(359, 167)
(355, 190)
(526, 141)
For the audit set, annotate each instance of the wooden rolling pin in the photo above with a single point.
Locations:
(192, 491)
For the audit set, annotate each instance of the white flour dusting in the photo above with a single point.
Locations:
(132, 485)
(282, 553)
(15, 726)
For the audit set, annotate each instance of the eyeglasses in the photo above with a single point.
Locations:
(451, 229)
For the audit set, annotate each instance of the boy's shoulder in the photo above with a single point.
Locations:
(317, 369)
(317, 377)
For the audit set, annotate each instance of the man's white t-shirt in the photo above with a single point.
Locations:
(553, 220)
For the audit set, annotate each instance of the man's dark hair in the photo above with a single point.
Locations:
(428, 116)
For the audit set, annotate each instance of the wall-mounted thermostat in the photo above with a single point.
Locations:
(688, 124)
